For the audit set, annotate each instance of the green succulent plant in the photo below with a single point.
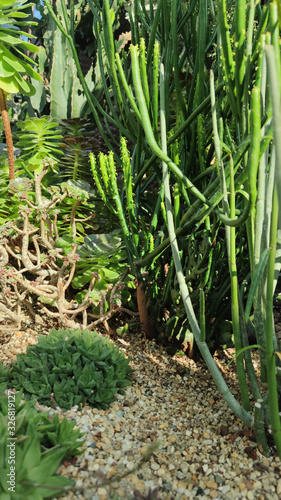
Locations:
(73, 367)
(78, 141)
(16, 65)
(38, 140)
(34, 455)
(13, 67)
(103, 254)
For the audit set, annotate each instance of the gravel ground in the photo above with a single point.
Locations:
(204, 451)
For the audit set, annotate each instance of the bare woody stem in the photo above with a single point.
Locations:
(8, 134)
(142, 308)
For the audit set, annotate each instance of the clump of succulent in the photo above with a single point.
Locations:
(30, 458)
(71, 367)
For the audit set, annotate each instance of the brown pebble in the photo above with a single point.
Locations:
(213, 494)
(212, 485)
(172, 439)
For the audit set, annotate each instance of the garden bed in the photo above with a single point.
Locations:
(204, 450)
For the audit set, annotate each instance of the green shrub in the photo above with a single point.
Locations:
(32, 446)
(74, 367)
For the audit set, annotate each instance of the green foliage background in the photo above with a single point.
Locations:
(193, 88)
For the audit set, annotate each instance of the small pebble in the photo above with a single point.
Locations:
(184, 467)
(213, 494)
(218, 479)
(224, 489)
(155, 466)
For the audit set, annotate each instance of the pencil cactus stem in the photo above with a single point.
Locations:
(174, 15)
(146, 124)
(202, 316)
(226, 55)
(155, 93)
(270, 354)
(240, 32)
(275, 29)
(217, 376)
(109, 44)
(127, 89)
(143, 72)
(234, 299)
(255, 145)
(274, 83)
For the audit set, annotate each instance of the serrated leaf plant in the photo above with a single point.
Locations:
(38, 140)
(40, 445)
(74, 367)
(14, 66)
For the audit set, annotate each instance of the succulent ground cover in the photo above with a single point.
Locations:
(69, 368)
(30, 459)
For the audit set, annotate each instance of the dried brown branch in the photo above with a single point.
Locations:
(34, 272)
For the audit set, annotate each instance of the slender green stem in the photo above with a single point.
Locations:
(153, 31)
(155, 92)
(274, 83)
(179, 132)
(226, 53)
(145, 120)
(270, 355)
(217, 144)
(202, 316)
(143, 72)
(127, 89)
(112, 107)
(240, 35)
(234, 302)
(201, 45)
(260, 428)
(65, 17)
(218, 378)
(174, 34)
(255, 147)
(110, 52)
